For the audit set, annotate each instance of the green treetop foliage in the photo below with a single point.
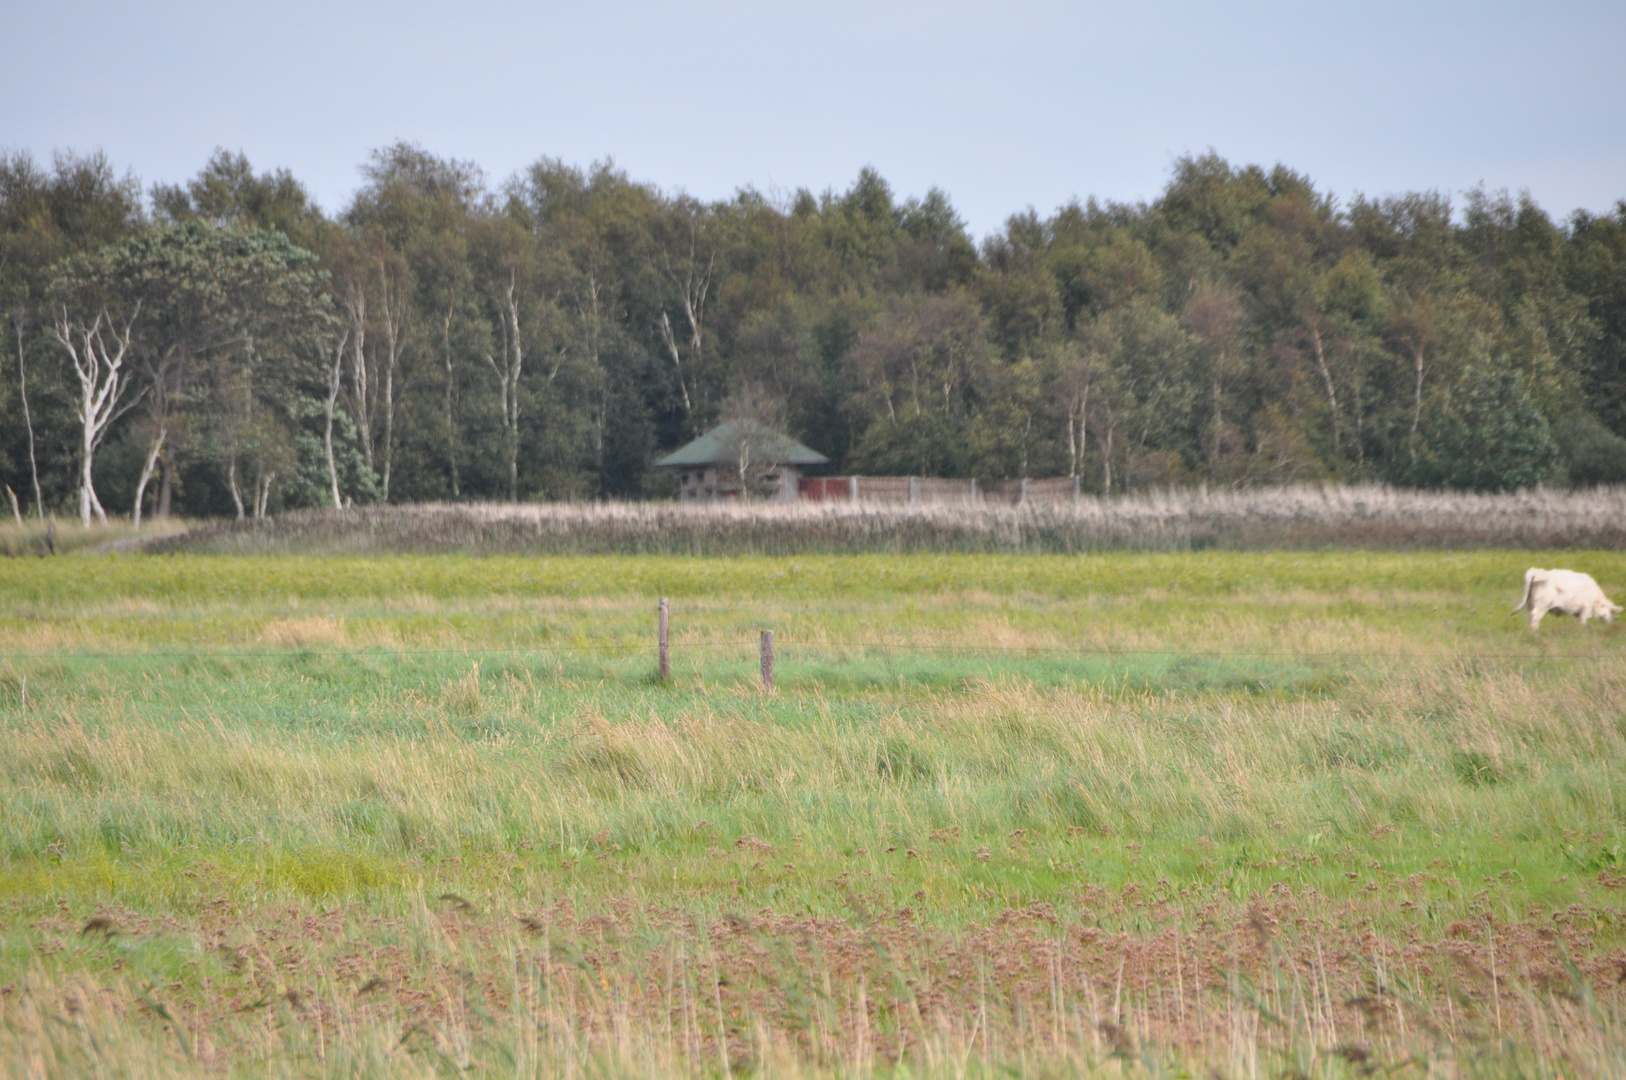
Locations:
(228, 193)
(552, 335)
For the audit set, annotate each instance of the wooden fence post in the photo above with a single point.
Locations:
(767, 661)
(666, 658)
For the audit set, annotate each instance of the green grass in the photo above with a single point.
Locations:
(1130, 744)
(1202, 577)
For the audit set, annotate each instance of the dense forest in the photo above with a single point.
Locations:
(222, 346)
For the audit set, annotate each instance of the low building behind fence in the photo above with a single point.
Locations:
(929, 489)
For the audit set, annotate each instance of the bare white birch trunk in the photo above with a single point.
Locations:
(601, 413)
(1078, 409)
(100, 371)
(1072, 440)
(335, 376)
(508, 374)
(693, 285)
(159, 374)
(394, 326)
(28, 418)
(262, 492)
(1112, 431)
(147, 471)
(231, 478)
(1416, 402)
(1332, 394)
(670, 340)
(451, 394)
(355, 304)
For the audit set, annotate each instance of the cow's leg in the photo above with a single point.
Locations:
(1537, 610)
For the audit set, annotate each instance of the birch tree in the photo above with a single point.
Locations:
(335, 376)
(49, 212)
(163, 376)
(443, 277)
(1142, 390)
(222, 309)
(451, 393)
(97, 351)
(508, 374)
(518, 292)
(354, 302)
(686, 258)
(19, 320)
(1213, 316)
(393, 300)
(512, 341)
(1078, 377)
(414, 216)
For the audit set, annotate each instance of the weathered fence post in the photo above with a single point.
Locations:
(666, 658)
(767, 661)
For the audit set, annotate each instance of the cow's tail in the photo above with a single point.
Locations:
(1530, 576)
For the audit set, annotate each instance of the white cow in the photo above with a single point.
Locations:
(1567, 592)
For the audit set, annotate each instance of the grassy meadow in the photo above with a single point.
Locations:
(1206, 813)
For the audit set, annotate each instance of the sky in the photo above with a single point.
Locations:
(1004, 106)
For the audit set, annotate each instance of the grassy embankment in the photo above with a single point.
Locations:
(57, 536)
(1313, 812)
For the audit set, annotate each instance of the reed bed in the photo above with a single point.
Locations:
(1299, 517)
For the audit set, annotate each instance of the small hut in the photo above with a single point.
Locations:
(740, 458)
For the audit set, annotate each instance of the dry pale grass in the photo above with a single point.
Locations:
(57, 636)
(1288, 517)
(63, 536)
(298, 633)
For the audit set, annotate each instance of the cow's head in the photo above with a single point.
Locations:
(1606, 610)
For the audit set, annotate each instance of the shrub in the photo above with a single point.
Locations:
(1490, 436)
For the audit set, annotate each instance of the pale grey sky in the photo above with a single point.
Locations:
(1001, 105)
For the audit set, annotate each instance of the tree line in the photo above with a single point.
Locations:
(224, 347)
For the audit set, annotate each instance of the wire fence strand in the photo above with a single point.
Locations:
(788, 648)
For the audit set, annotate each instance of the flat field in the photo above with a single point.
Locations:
(1216, 813)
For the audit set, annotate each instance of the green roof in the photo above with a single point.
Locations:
(723, 442)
